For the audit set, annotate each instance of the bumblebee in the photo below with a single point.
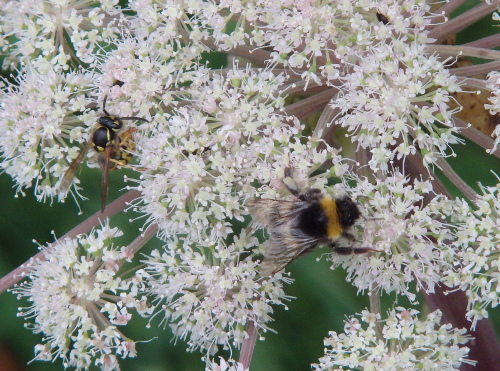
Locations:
(295, 227)
(113, 145)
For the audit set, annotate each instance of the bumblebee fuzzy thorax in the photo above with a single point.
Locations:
(319, 218)
(327, 217)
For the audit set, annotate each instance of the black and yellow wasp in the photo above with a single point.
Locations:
(113, 145)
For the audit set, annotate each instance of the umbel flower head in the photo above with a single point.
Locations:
(41, 119)
(65, 32)
(413, 236)
(395, 103)
(401, 341)
(207, 295)
(477, 260)
(79, 301)
(313, 38)
(493, 84)
(204, 159)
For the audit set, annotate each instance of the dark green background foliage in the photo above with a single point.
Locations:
(323, 298)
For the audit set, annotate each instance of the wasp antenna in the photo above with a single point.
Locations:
(104, 105)
(133, 118)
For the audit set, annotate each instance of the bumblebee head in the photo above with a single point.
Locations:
(348, 211)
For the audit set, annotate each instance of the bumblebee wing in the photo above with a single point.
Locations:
(265, 211)
(259, 210)
(286, 242)
(282, 251)
(69, 175)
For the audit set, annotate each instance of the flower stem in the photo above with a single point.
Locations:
(486, 42)
(456, 179)
(119, 204)
(140, 240)
(477, 69)
(450, 6)
(374, 297)
(308, 106)
(476, 136)
(457, 24)
(248, 345)
(463, 51)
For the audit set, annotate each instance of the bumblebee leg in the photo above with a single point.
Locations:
(343, 250)
(349, 250)
(348, 236)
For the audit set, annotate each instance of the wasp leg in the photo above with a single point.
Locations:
(105, 165)
(124, 163)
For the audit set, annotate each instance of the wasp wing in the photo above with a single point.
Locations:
(69, 175)
(106, 164)
(286, 241)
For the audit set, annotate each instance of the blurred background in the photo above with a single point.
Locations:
(323, 298)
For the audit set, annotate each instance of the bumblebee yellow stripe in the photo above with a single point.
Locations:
(334, 229)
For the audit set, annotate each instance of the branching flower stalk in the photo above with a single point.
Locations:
(92, 222)
(78, 300)
(366, 99)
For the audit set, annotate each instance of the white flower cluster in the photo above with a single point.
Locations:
(309, 37)
(65, 32)
(477, 260)
(79, 301)
(203, 161)
(208, 295)
(39, 126)
(395, 103)
(413, 239)
(199, 165)
(493, 84)
(399, 342)
(145, 74)
(229, 365)
(218, 138)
